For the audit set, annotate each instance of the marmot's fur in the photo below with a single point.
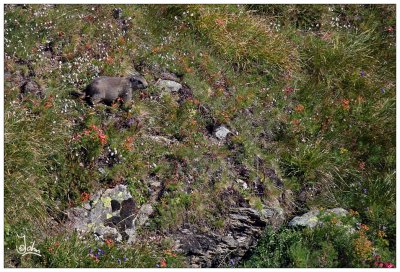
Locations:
(108, 89)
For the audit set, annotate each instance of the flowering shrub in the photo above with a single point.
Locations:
(90, 142)
(380, 264)
(363, 246)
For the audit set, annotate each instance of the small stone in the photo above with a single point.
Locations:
(87, 206)
(161, 139)
(117, 13)
(338, 211)
(221, 132)
(154, 184)
(7, 76)
(109, 216)
(168, 85)
(309, 219)
(31, 87)
(242, 183)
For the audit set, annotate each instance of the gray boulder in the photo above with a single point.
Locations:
(168, 85)
(311, 220)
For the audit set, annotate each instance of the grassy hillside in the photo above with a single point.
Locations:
(307, 90)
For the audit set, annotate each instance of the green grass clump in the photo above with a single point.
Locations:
(71, 251)
(237, 37)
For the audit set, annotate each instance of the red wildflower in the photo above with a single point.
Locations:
(389, 265)
(169, 252)
(296, 122)
(85, 196)
(109, 242)
(110, 60)
(346, 104)
(289, 90)
(364, 227)
(102, 137)
(163, 263)
(220, 22)
(299, 108)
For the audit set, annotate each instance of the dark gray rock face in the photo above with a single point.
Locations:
(212, 249)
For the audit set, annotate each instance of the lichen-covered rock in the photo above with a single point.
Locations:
(110, 214)
(311, 218)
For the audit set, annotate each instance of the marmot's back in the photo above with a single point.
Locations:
(107, 85)
(108, 89)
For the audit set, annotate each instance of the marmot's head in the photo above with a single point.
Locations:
(138, 82)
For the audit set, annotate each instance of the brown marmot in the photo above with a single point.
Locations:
(106, 89)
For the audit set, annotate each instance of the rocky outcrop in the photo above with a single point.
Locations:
(212, 249)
